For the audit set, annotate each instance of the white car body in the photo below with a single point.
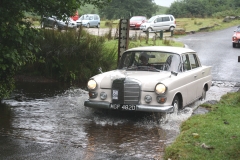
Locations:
(177, 71)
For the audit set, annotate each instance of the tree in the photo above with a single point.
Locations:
(201, 8)
(19, 40)
(126, 9)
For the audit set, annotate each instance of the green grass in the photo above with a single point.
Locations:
(219, 130)
(194, 24)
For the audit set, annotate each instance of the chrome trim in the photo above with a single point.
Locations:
(144, 108)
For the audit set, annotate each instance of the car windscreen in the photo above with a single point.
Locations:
(151, 19)
(159, 60)
(136, 19)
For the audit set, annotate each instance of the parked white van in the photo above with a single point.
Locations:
(159, 22)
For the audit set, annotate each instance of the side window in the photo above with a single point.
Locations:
(186, 63)
(159, 19)
(166, 19)
(95, 17)
(193, 61)
(171, 18)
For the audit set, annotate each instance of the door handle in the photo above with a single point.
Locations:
(195, 76)
(203, 72)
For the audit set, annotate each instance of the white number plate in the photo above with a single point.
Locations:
(128, 107)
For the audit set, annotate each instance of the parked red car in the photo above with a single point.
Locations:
(75, 17)
(236, 38)
(136, 21)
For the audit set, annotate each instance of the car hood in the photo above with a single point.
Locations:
(147, 79)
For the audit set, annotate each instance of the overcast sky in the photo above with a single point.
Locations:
(165, 3)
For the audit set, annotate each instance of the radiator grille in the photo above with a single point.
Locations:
(128, 91)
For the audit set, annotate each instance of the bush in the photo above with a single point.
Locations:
(71, 56)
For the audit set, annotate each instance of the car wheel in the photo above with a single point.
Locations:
(42, 25)
(204, 92)
(98, 26)
(171, 28)
(149, 29)
(55, 26)
(175, 104)
(234, 45)
(88, 25)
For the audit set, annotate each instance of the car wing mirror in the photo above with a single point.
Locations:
(174, 73)
(100, 69)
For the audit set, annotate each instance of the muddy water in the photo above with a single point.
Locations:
(52, 113)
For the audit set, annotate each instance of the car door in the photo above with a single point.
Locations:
(197, 74)
(95, 20)
(165, 25)
(157, 23)
(191, 76)
(91, 20)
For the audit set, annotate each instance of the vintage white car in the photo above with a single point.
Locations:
(172, 78)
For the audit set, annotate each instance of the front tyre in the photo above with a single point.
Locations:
(204, 92)
(42, 25)
(149, 29)
(176, 105)
(234, 45)
(55, 26)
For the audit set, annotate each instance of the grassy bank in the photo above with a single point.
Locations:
(213, 136)
(194, 24)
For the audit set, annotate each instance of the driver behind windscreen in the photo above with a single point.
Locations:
(144, 57)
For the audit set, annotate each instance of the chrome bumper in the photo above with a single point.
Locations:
(144, 108)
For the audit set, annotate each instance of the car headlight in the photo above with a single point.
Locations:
(92, 84)
(160, 88)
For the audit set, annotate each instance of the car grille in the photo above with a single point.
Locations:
(125, 91)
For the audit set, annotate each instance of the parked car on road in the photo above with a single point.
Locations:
(136, 21)
(172, 78)
(159, 22)
(236, 38)
(75, 16)
(55, 23)
(89, 20)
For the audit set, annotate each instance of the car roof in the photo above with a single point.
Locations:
(178, 50)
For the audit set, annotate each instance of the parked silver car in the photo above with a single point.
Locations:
(55, 23)
(89, 20)
(159, 22)
(151, 79)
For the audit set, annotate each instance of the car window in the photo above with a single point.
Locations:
(151, 19)
(165, 19)
(159, 60)
(159, 19)
(193, 61)
(186, 64)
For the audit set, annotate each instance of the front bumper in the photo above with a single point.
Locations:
(143, 108)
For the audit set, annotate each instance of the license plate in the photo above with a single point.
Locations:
(127, 107)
